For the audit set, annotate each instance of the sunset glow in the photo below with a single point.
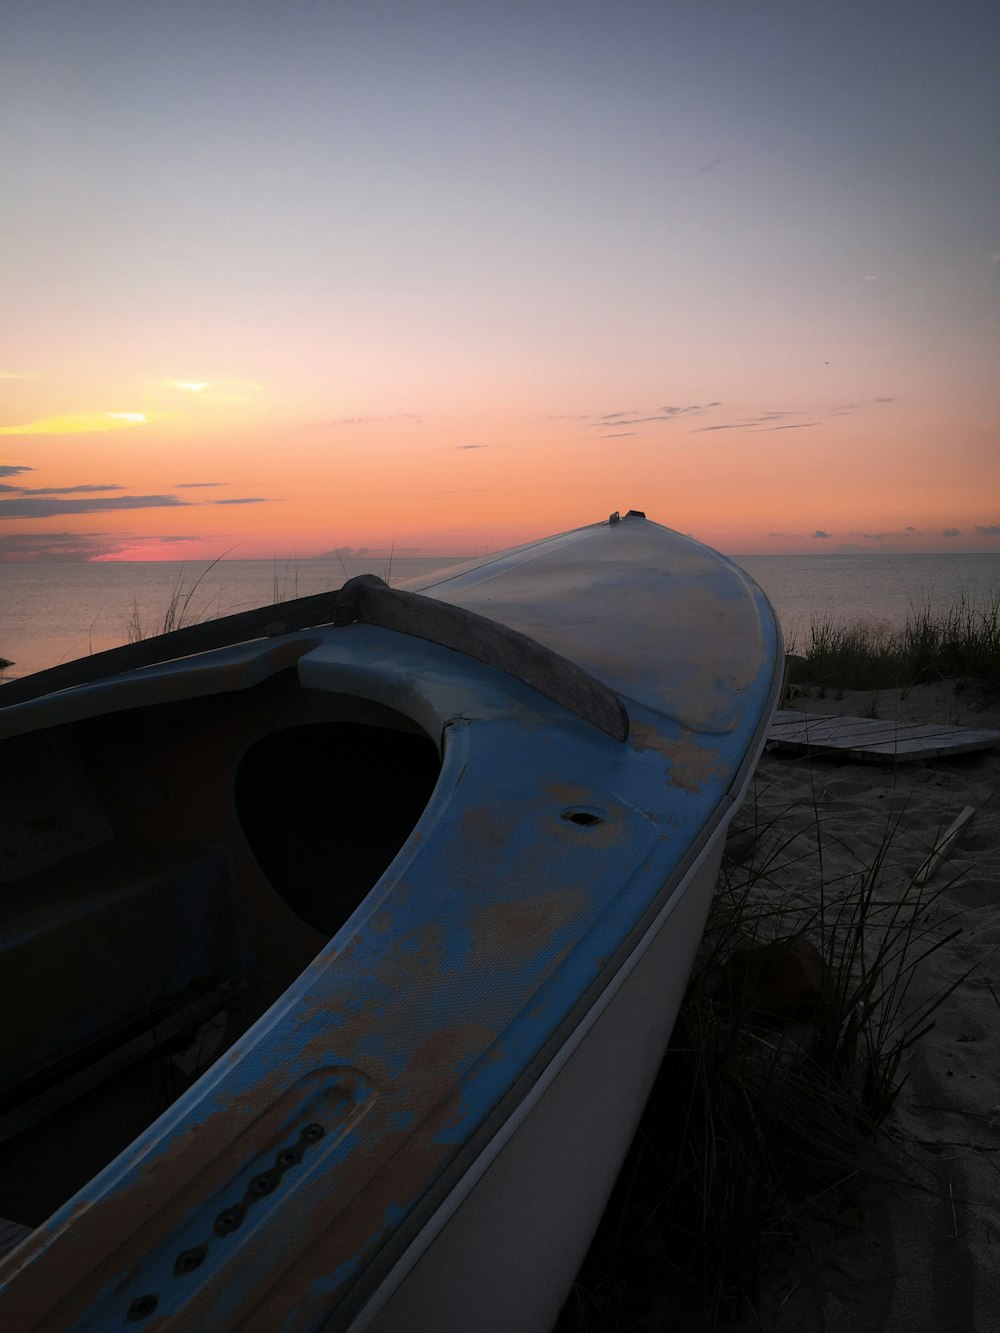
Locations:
(80, 423)
(447, 279)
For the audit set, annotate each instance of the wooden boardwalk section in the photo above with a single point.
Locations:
(872, 741)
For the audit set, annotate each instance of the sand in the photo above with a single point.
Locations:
(924, 1254)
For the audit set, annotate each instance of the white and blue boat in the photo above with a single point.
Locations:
(341, 940)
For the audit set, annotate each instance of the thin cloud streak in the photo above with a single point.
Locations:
(32, 508)
(47, 546)
(82, 548)
(367, 421)
(760, 422)
(661, 416)
(57, 490)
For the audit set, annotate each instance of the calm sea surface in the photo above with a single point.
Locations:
(53, 613)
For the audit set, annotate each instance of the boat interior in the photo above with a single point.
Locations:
(167, 872)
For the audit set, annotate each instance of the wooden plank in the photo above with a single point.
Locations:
(923, 749)
(829, 726)
(824, 724)
(875, 733)
(874, 740)
(920, 736)
(822, 728)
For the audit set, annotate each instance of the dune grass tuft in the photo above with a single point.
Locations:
(755, 1129)
(963, 640)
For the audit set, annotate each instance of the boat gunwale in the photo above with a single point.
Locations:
(365, 599)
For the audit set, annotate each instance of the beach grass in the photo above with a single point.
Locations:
(183, 608)
(187, 604)
(756, 1128)
(960, 640)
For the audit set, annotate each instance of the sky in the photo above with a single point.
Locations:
(447, 277)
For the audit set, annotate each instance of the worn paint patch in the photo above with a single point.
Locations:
(380, 1188)
(512, 933)
(691, 763)
(111, 1237)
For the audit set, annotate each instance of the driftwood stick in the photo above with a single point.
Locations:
(941, 848)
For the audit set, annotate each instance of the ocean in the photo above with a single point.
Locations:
(52, 613)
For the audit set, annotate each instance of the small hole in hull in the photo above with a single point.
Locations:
(584, 818)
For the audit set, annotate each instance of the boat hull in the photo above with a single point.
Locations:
(437, 866)
(532, 1202)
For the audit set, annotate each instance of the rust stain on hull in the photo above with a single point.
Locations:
(691, 763)
(372, 1189)
(506, 933)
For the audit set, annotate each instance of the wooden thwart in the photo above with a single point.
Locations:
(872, 740)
